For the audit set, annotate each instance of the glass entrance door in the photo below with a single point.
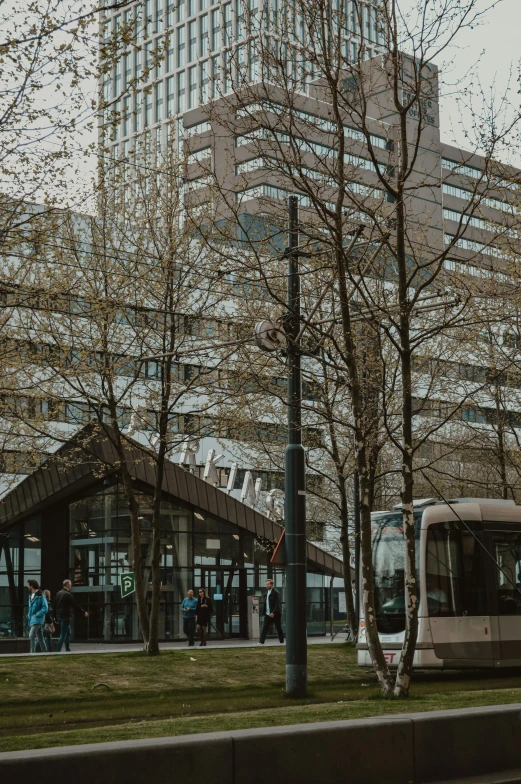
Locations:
(224, 589)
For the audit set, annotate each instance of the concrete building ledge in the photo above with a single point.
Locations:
(441, 747)
(508, 777)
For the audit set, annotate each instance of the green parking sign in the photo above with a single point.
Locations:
(127, 583)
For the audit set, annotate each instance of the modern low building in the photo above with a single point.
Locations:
(69, 519)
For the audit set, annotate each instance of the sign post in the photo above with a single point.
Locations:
(127, 583)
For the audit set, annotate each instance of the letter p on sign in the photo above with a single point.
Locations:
(127, 583)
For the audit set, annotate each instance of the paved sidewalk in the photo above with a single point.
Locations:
(95, 647)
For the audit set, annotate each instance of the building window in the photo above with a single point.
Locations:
(159, 101)
(239, 21)
(148, 60)
(203, 21)
(126, 116)
(159, 15)
(128, 71)
(192, 87)
(181, 11)
(170, 13)
(191, 7)
(192, 41)
(138, 125)
(227, 87)
(368, 25)
(148, 109)
(215, 76)
(180, 47)
(148, 17)
(170, 62)
(216, 30)
(205, 79)
(170, 94)
(474, 415)
(181, 91)
(117, 80)
(228, 32)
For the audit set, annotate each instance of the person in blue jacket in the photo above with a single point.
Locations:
(36, 615)
(189, 608)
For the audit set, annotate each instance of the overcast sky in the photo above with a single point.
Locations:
(494, 49)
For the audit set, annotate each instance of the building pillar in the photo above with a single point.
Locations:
(55, 548)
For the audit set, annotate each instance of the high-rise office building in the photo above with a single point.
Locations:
(188, 52)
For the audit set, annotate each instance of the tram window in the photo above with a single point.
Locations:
(455, 578)
(389, 570)
(507, 552)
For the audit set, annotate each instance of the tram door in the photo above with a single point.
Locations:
(506, 547)
(456, 588)
(224, 589)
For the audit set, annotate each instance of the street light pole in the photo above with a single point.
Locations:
(295, 482)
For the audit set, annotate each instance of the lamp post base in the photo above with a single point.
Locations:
(296, 680)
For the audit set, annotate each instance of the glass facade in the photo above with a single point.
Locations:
(207, 33)
(20, 560)
(89, 541)
(197, 550)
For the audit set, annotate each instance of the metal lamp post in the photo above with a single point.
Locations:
(295, 482)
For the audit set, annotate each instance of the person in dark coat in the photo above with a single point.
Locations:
(49, 622)
(271, 611)
(203, 614)
(63, 605)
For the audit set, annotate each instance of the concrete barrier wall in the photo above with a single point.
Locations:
(415, 748)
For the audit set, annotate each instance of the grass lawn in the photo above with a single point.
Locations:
(54, 700)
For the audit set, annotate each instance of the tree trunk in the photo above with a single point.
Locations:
(381, 669)
(137, 561)
(352, 620)
(361, 445)
(153, 642)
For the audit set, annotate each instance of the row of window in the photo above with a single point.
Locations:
(185, 324)
(315, 121)
(254, 164)
(476, 414)
(478, 223)
(466, 372)
(451, 265)
(304, 146)
(204, 33)
(471, 171)
(476, 247)
(462, 193)
(208, 79)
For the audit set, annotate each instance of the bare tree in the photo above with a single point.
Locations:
(355, 136)
(134, 307)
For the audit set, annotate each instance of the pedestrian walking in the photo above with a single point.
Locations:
(49, 627)
(189, 608)
(63, 606)
(203, 614)
(36, 615)
(271, 610)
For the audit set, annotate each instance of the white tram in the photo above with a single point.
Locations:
(469, 566)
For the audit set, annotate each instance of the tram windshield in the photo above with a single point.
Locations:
(389, 569)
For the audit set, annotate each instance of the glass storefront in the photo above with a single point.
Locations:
(20, 560)
(89, 542)
(197, 550)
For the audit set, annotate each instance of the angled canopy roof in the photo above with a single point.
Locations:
(90, 456)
